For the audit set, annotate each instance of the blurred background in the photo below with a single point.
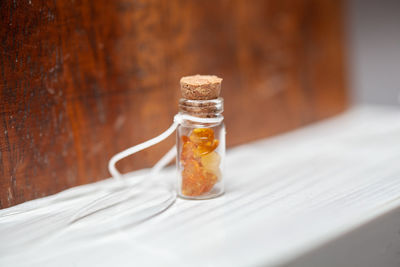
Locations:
(373, 38)
(83, 80)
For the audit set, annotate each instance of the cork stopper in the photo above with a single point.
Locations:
(201, 87)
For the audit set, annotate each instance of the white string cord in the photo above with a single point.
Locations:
(167, 157)
(132, 189)
(132, 150)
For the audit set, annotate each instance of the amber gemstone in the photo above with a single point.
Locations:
(200, 162)
(210, 180)
(204, 140)
(202, 150)
(202, 136)
(193, 181)
(196, 180)
(211, 161)
(188, 151)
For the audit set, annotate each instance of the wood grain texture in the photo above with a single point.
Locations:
(82, 80)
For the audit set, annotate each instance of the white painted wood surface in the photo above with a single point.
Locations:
(285, 196)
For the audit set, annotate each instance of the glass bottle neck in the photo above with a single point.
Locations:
(202, 108)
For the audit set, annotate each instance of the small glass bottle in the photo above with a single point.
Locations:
(201, 150)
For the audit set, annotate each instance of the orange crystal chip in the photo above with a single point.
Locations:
(196, 180)
(202, 150)
(204, 139)
(188, 150)
(211, 161)
(202, 136)
(211, 180)
(192, 179)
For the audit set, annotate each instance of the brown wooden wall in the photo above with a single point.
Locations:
(82, 80)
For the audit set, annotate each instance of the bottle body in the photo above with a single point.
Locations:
(201, 157)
